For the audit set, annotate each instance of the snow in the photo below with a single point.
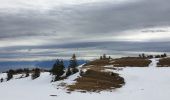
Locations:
(149, 83)
(3, 75)
(71, 79)
(145, 84)
(108, 66)
(154, 62)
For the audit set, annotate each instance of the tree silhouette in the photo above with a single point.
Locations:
(68, 73)
(36, 73)
(10, 74)
(2, 79)
(73, 64)
(58, 69)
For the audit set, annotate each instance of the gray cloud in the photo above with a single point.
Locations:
(64, 27)
(86, 19)
(84, 49)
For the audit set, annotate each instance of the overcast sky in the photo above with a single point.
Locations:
(46, 29)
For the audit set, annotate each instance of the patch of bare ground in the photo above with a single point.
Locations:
(98, 62)
(164, 62)
(120, 62)
(131, 62)
(96, 81)
(97, 65)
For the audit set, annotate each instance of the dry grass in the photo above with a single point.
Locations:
(96, 81)
(98, 62)
(131, 62)
(97, 65)
(121, 62)
(165, 62)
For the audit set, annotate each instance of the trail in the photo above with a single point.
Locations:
(154, 62)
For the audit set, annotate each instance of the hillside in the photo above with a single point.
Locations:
(141, 83)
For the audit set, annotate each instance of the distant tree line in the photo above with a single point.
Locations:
(59, 71)
(152, 56)
(35, 72)
(104, 57)
(11, 72)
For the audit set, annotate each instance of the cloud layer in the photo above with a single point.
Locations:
(44, 29)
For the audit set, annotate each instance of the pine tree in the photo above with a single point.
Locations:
(101, 57)
(2, 79)
(104, 56)
(61, 68)
(10, 74)
(68, 73)
(73, 64)
(143, 55)
(26, 71)
(58, 69)
(36, 73)
(165, 55)
(27, 74)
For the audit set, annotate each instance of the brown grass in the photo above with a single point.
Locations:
(98, 62)
(96, 65)
(165, 62)
(121, 62)
(96, 81)
(131, 62)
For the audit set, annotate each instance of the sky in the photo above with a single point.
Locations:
(47, 29)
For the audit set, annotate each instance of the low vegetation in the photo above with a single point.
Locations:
(121, 62)
(35, 73)
(95, 78)
(95, 81)
(131, 62)
(165, 62)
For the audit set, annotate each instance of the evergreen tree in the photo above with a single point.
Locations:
(73, 64)
(101, 57)
(165, 55)
(68, 73)
(61, 68)
(36, 73)
(104, 56)
(2, 79)
(143, 55)
(26, 71)
(58, 69)
(27, 74)
(157, 56)
(10, 74)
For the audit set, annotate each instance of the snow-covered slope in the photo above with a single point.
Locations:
(141, 84)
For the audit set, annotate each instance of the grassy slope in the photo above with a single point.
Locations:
(164, 62)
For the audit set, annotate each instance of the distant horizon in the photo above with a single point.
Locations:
(117, 54)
